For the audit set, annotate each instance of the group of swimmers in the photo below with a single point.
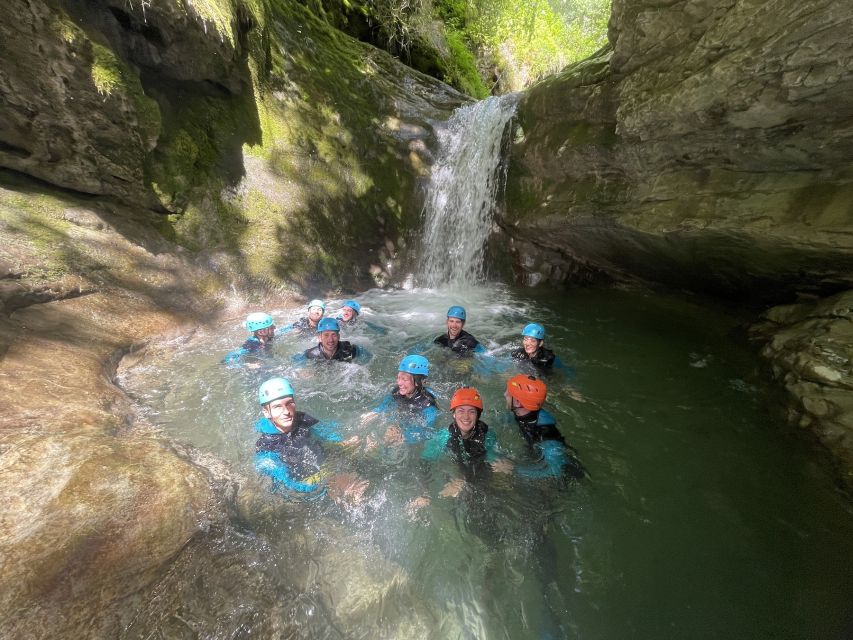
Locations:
(288, 449)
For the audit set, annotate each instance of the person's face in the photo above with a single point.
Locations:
(514, 405)
(465, 417)
(329, 341)
(281, 413)
(530, 344)
(266, 334)
(405, 383)
(454, 327)
(347, 313)
(314, 314)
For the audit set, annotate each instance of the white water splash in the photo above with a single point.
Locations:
(461, 194)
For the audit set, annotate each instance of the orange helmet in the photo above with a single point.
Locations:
(529, 391)
(466, 396)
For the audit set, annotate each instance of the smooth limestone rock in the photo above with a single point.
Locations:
(96, 505)
(708, 148)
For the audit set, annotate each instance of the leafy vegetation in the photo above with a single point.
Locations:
(478, 46)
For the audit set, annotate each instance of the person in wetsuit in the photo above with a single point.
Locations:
(349, 318)
(468, 440)
(288, 448)
(532, 349)
(262, 327)
(525, 396)
(412, 400)
(308, 324)
(456, 338)
(331, 347)
(349, 313)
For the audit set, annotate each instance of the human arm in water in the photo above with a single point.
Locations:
(270, 464)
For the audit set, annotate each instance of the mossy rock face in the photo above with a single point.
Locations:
(258, 130)
(74, 112)
(329, 178)
(723, 168)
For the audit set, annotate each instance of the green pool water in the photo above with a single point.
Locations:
(704, 515)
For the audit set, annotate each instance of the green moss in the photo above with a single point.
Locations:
(32, 224)
(220, 14)
(329, 179)
(462, 70)
(106, 70)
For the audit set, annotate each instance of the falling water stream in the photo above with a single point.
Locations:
(703, 516)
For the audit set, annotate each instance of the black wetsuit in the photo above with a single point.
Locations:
(540, 428)
(471, 449)
(419, 400)
(303, 325)
(463, 344)
(345, 352)
(471, 453)
(542, 358)
(253, 345)
(536, 428)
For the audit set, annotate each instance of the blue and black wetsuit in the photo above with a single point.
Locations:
(472, 453)
(345, 352)
(419, 412)
(463, 344)
(539, 430)
(252, 346)
(294, 459)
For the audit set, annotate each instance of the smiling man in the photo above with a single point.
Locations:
(456, 338)
(289, 450)
(331, 347)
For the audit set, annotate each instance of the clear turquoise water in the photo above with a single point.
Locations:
(704, 515)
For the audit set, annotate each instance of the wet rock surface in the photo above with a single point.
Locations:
(96, 504)
(709, 148)
(810, 349)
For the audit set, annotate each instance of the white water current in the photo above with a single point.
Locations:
(463, 188)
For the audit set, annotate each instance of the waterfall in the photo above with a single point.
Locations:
(461, 194)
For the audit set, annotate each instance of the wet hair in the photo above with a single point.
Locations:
(418, 380)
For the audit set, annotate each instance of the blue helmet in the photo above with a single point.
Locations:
(456, 312)
(317, 303)
(273, 389)
(352, 304)
(534, 330)
(258, 321)
(416, 365)
(328, 324)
